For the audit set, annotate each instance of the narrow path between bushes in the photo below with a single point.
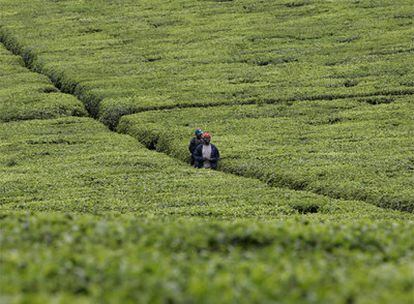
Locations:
(91, 104)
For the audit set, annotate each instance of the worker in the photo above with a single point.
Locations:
(195, 141)
(206, 155)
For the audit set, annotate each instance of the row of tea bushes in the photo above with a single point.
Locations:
(77, 165)
(350, 149)
(57, 257)
(28, 95)
(129, 56)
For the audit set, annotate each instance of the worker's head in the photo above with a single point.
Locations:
(206, 138)
(198, 133)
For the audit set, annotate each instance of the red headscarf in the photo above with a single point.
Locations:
(206, 135)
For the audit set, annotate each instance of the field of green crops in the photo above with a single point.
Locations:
(310, 103)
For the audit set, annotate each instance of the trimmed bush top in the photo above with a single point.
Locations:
(28, 95)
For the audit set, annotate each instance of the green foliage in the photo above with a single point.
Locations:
(151, 54)
(344, 148)
(28, 95)
(77, 165)
(123, 258)
(90, 216)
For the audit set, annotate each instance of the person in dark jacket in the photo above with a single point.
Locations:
(195, 141)
(206, 155)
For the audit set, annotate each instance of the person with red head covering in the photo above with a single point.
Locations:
(206, 155)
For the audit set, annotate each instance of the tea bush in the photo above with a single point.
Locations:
(28, 95)
(122, 258)
(345, 148)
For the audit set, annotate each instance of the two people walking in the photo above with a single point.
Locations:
(203, 153)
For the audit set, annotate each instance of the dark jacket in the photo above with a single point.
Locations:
(198, 156)
(193, 144)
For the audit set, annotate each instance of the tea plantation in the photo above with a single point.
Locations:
(310, 103)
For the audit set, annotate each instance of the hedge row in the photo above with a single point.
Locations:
(124, 57)
(28, 95)
(77, 165)
(53, 257)
(350, 149)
